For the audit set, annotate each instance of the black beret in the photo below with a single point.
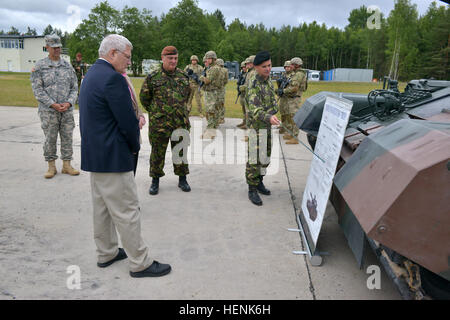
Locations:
(261, 57)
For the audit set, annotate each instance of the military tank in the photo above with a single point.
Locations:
(391, 190)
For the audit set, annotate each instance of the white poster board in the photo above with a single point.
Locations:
(335, 116)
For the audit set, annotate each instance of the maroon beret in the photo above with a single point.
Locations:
(169, 50)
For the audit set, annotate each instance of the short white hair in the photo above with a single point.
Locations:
(113, 41)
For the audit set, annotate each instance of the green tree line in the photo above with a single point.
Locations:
(403, 45)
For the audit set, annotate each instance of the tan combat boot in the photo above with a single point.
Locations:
(287, 136)
(51, 170)
(67, 168)
(292, 141)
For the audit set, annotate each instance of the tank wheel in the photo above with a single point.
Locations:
(434, 285)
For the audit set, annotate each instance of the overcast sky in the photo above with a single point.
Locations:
(66, 15)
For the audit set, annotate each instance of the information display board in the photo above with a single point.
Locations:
(336, 114)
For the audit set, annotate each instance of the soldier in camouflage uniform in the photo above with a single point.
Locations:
(197, 69)
(250, 72)
(242, 125)
(212, 84)
(164, 95)
(80, 69)
(284, 111)
(262, 107)
(54, 85)
(293, 93)
(224, 71)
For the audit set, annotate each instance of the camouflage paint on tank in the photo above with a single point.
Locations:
(397, 184)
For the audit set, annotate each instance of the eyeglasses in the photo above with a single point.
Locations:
(125, 55)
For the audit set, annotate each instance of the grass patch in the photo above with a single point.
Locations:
(15, 90)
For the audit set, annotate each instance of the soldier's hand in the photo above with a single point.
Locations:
(274, 120)
(64, 106)
(205, 80)
(56, 106)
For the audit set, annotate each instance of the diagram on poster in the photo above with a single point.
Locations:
(336, 113)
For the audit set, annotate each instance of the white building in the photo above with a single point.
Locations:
(20, 53)
(148, 65)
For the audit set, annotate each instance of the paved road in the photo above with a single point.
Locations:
(220, 245)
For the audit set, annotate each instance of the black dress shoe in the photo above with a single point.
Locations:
(154, 187)
(262, 188)
(254, 196)
(156, 269)
(120, 256)
(183, 185)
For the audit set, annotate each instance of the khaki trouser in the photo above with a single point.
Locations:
(198, 97)
(116, 207)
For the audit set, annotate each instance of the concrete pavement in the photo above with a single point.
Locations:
(219, 244)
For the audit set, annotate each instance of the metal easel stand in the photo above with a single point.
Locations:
(316, 258)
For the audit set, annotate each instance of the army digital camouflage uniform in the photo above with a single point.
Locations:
(195, 92)
(261, 101)
(293, 93)
(222, 94)
(164, 95)
(212, 95)
(55, 82)
(80, 71)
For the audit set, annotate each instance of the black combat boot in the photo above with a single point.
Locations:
(254, 196)
(262, 188)
(183, 185)
(154, 187)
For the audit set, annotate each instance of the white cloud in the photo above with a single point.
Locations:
(39, 14)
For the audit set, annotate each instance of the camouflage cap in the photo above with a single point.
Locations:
(252, 58)
(248, 61)
(194, 57)
(52, 40)
(297, 61)
(220, 62)
(210, 55)
(242, 64)
(287, 63)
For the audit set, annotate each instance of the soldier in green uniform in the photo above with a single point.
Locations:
(164, 95)
(250, 71)
(262, 107)
(224, 71)
(293, 93)
(283, 99)
(196, 69)
(80, 68)
(54, 85)
(242, 76)
(212, 84)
